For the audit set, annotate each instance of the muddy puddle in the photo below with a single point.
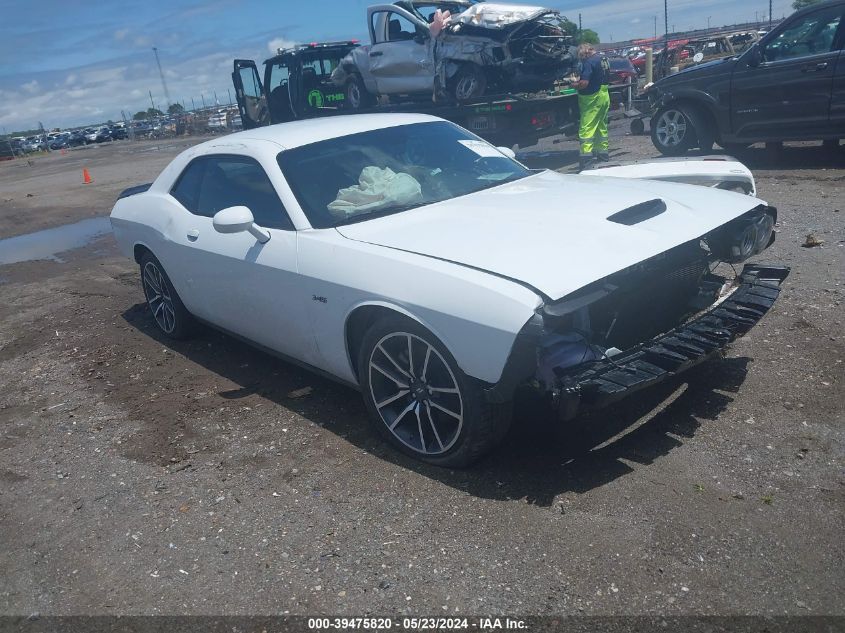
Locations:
(50, 243)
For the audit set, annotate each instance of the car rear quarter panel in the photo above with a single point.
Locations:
(476, 315)
(146, 220)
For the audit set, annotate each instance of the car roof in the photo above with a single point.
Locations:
(297, 133)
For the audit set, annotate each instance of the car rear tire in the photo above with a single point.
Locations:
(357, 96)
(420, 401)
(468, 83)
(169, 313)
(675, 130)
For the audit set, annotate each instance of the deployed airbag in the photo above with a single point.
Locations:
(376, 188)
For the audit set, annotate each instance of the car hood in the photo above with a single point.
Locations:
(551, 231)
(712, 67)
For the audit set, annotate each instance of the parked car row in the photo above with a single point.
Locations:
(67, 139)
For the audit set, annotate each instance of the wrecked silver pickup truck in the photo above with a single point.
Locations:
(485, 48)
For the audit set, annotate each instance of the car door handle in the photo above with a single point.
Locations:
(814, 68)
(193, 234)
(376, 54)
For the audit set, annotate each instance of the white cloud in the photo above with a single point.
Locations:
(121, 34)
(103, 75)
(279, 42)
(90, 95)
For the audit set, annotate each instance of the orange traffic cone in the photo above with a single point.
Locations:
(86, 177)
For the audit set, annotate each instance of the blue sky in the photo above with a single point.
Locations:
(73, 62)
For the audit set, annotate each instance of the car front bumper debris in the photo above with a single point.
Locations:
(610, 379)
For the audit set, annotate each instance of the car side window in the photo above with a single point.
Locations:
(278, 77)
(811, 35)
(400, 29)
(213, 183)
(187, 188)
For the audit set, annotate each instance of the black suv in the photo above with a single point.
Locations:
(789, 86)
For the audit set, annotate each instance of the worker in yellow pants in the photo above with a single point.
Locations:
(594, 104)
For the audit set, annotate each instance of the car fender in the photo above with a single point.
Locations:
(385, 305)
(475, 314)
(688, 95)
(358, 61)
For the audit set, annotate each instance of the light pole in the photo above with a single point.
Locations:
(708, 22)
(161, 74)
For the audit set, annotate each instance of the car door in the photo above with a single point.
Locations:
(249, 92)
(278, 86)
(783, 89)
(232, 280)
(400, 57)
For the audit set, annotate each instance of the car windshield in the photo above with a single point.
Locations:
(371, 174)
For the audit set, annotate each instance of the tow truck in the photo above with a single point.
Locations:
(296, 84)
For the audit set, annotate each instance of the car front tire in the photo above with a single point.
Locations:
(420, 401)
(357, 95)
(169, 313)
(468, 83)
(675, 130)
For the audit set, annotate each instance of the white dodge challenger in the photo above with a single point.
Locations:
(404, 256)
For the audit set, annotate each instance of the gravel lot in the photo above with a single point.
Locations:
(141, 476)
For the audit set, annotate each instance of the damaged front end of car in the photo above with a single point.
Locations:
(519, 51)
(527, 54)
(646, 323)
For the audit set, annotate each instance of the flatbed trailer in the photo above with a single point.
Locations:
(296, 85)
(507, 119)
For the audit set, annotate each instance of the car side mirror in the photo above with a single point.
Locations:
(237, 220)
(755, 56)
(507, 151)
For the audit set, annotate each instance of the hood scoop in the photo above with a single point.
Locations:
(639, 212)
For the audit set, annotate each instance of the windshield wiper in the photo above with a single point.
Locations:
(376, 213)
(495, 183)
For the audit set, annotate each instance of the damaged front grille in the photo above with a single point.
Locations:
(651, 298)
(607, 380)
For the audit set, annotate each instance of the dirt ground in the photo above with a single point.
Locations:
(142, 476)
